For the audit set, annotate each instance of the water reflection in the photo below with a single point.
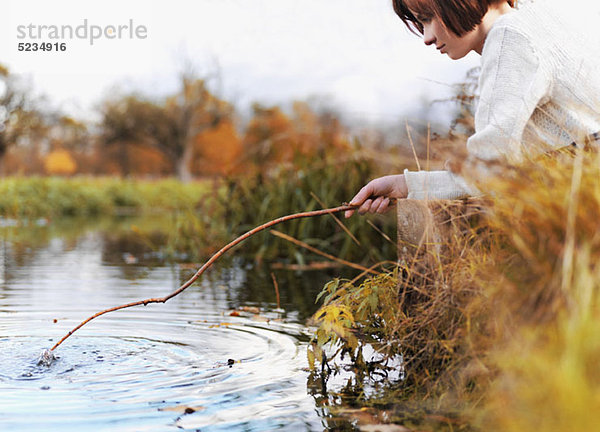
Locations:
(188, 364)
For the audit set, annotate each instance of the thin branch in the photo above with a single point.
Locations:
(208, 263)
(412, 146)
(384, 235)
(318, 252)
(372, 269)
(337, 220)
(276, 285)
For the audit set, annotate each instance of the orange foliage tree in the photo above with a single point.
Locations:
(218, 151)
(60, 162)
(272, 137)
(269, 137)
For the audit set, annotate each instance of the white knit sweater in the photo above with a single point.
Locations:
(539, 83)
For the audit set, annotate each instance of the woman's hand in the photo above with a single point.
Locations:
(375, 196)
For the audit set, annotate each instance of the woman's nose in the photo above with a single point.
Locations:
(428, 36)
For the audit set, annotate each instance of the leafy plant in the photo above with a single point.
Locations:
(352, 318)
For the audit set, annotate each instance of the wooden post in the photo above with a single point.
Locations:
(425, 228)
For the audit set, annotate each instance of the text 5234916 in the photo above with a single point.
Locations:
(42, 46)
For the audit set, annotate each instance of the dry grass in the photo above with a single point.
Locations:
(500, 323)
(546, 350)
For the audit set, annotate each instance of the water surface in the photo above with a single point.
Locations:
(188, 364)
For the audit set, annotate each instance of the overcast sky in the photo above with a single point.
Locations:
(355, 53)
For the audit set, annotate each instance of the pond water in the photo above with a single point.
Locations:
(188, 364)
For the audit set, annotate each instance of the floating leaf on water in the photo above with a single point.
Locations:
(185, 409)
(249, 309)
(223, 324)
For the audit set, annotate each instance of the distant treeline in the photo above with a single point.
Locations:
(191, 133)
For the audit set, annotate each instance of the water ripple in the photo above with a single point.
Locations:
(235, 372)
(186, 364)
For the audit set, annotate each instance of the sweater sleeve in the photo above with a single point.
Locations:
(423, 185)
(512, 83)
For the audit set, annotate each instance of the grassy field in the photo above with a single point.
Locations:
(52, 197)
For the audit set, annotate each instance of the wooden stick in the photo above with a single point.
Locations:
(276, 285)
(208, 263)
(337, 221)
(318, 252)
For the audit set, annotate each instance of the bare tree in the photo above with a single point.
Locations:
(20, 120)
(171, 126)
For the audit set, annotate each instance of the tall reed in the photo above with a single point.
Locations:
(500, 330)
(307, 184)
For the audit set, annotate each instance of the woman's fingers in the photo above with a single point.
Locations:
(365, 207)
(360, 198)
(374, 197)
(376, 204)
(363, 194)
(383, 206)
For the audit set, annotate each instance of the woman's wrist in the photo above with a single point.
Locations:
(401, 187)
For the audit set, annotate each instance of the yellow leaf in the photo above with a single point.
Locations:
(311, 358)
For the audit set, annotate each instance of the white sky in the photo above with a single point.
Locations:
(357, 53)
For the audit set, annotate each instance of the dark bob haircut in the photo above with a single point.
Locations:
(459, 16)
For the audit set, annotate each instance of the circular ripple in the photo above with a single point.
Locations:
(238, 373)
(162, 367)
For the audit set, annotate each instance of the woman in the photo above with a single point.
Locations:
(539, 83)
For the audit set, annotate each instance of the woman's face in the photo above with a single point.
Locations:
(456, 47)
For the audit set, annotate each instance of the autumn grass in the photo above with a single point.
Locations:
(548, 377)
(52, 197)
(500, 330)
(309, 183)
